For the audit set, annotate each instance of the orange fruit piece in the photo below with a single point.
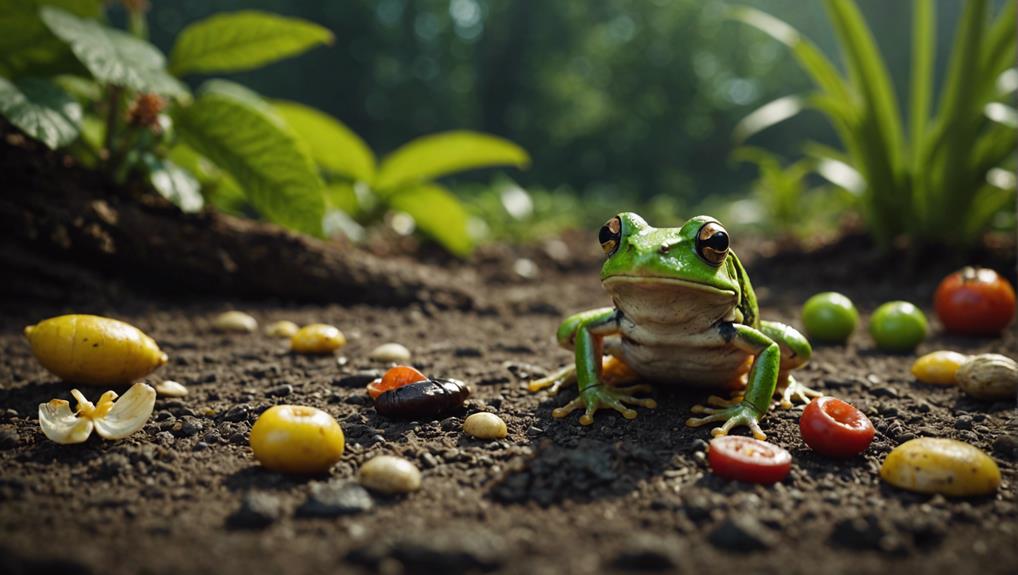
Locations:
(396, 377)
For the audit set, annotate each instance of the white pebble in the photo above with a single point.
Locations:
(282, 328)
(485, 425)
(235, 322)
(170, 388)
(391, 352)
(390, 475)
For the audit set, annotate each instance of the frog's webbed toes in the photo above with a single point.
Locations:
(605, 397)
(731, 416)
(554, 381)
(796, 390)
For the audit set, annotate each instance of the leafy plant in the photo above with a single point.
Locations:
(69, 80)
(784, 201)
(359, 185)
(931, 184)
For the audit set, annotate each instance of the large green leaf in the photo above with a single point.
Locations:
(112, 56)
(42, 110)
(437, 214)
(243, 40)
(174, 183)
(259, 151)
(437, 155)
(333, 145)
(27, 47)
(921, 91)
(880, 149)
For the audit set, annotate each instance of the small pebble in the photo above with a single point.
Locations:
(485, 426)
(235, 322)
(390, 475)
(525, 268)
(393, 352)
(169, 388)
(282, 328)
(257, 511)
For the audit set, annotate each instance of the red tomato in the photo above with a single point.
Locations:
(834, 428)
(748, 459)
(396, 377)
(975, 301)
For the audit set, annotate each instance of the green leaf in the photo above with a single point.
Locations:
(438, 215)
(112, 56)
(819, 67)
(27, 47)
(42, 110)
(333, 145)
(262, 154)
(988, 201)
(341, 196)
(771, 113)
(921, 91)
(437, 155)
(243, 40)
(174, 183)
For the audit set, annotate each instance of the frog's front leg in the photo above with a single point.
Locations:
(585, 332)
(763, 378)
(795, 352)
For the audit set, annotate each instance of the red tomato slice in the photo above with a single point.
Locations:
(835, 428)
(747, 459)
(396, 377)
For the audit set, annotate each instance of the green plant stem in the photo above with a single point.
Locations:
(112, 116)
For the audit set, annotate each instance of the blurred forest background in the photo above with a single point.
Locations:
(620, 103)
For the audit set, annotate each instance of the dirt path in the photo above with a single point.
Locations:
(552, 497)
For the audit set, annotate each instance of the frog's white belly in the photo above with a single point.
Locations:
(669, 334)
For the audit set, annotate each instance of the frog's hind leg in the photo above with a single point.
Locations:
(614, 372)
(795, 352)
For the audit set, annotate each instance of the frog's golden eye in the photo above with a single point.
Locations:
(712, 243)
(610, 235)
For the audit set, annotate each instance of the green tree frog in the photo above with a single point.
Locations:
(684, 313)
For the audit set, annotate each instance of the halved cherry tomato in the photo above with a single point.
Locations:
(975, 301)
(396, 377)
(835, 428)
(747, 459)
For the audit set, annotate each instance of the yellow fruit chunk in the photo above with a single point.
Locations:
(944, 466)
(111, 418)
(297, 439)
(94, 350)
(938, 367)
(317, 338)
(282, 328)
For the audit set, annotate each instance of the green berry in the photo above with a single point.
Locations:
(898, 326)
(829, 317)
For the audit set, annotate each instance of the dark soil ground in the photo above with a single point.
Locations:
(553, 497)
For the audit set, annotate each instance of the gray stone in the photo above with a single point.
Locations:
(646, 552)
(256, 511)
(335, 499)
(743, 533)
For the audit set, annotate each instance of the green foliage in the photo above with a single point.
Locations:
(42, 110)
(227, 125)
(404, 180)
(111, 56)
(779, 189)
(439, 155)
(27, 45)
(227, 147)
(934, 187)
(238, 41)
(334, 146)
(174, 183)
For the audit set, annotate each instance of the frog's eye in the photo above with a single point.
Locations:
(712, 243)
(610, 235)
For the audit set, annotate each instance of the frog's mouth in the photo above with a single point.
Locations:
(663, 282)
